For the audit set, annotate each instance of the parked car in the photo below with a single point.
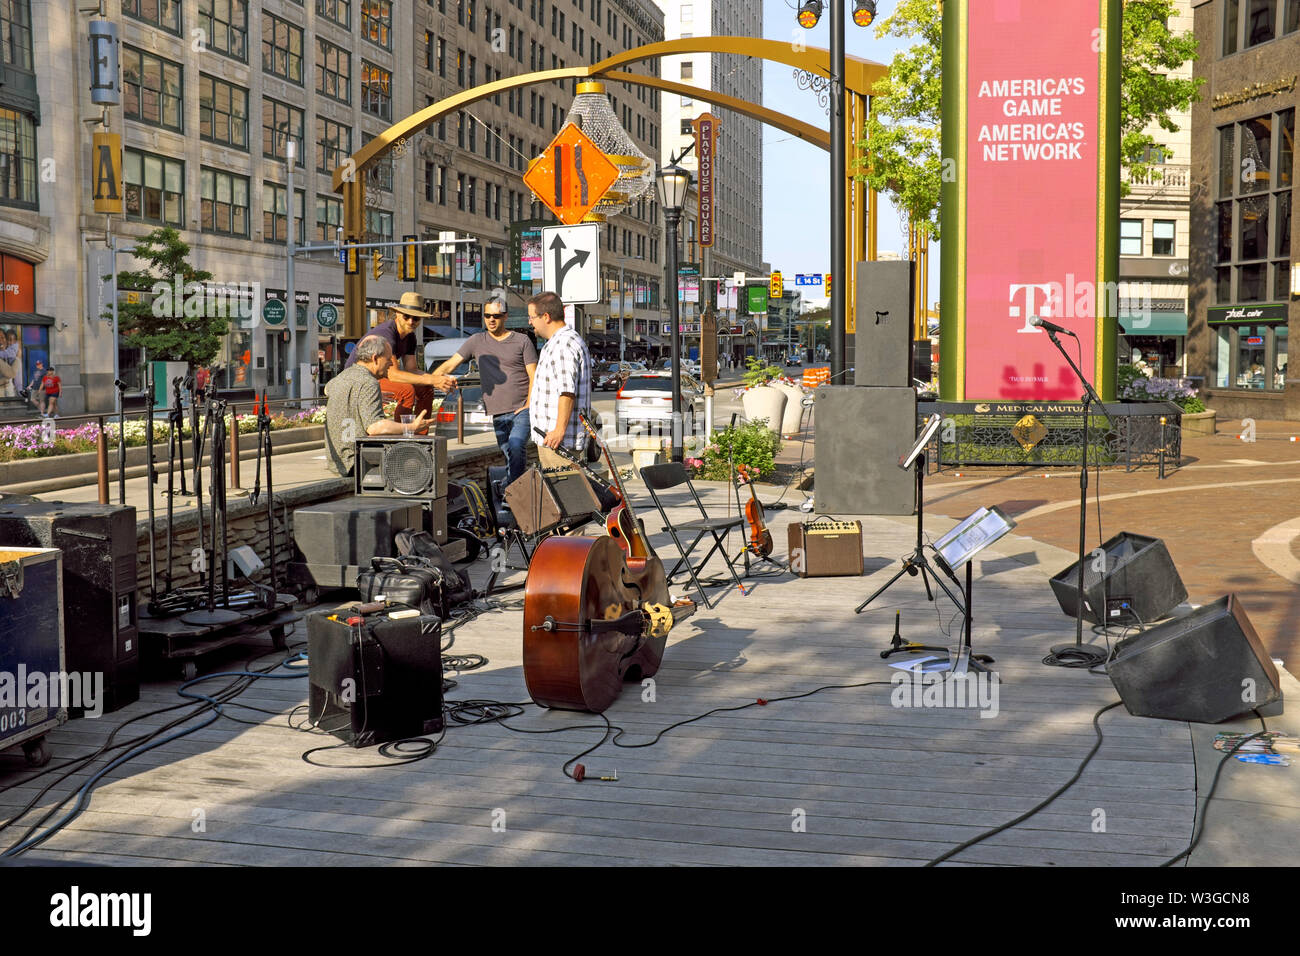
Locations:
(645, 403)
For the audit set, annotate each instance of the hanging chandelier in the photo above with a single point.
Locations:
(591, 112)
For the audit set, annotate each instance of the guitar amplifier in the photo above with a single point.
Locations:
(826, 549)
(542, 502)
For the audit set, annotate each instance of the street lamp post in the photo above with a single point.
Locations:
(673, 184)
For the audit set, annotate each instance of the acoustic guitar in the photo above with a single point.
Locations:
(596, 613)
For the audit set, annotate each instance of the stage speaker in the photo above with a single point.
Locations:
(541, 502)
(351, 531)
(398, 467)
(862, 434)
(99, 586)
(1133, 581)
(882, 344)
(376, 679)
(1207, 666)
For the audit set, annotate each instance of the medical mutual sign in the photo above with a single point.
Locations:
(1031, 196)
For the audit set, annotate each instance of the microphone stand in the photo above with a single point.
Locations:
(1078, 648)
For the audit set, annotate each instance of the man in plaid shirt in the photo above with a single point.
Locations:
(562, 382)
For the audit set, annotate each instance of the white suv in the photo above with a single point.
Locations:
(645, 403)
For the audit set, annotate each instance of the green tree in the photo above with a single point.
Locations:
(903, 131)
(168, 327)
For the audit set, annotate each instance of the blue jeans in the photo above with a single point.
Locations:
(513, 431)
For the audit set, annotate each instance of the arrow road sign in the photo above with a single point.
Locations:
(573, 269)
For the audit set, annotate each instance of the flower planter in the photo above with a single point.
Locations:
(764, 401)
(1199, 423)
(793, 416)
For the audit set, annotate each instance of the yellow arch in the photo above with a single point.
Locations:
(859, 77)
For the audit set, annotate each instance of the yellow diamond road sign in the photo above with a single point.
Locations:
(1029, 431)
(571, 175)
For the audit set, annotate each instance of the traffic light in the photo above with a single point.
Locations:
(409, 263)
(828, 284)
(378, 262)
(776, 286)
(352, 266)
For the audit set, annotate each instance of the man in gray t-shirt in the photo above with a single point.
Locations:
(354, 408)
(506, 362)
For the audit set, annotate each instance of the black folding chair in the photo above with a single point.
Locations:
(659, 478)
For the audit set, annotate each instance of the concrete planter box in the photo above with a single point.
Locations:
(1199, 423)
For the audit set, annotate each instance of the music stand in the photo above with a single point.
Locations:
(972, 535)
(915, 562)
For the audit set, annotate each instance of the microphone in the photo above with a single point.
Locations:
(1049, 326)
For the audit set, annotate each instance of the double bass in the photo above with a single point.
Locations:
(596, 612)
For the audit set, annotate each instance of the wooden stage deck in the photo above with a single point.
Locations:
(838, 778)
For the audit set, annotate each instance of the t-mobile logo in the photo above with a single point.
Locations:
(1029, 311)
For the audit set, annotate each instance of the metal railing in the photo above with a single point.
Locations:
(1133, 434)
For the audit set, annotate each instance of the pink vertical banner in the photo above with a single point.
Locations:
(1034, 205)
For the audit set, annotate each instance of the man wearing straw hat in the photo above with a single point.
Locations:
(411, 389)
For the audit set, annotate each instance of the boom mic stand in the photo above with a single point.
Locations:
(121, 440)
(150, 479)
(212, 615)
(916, 562)
(264, 450)
(1078, 649)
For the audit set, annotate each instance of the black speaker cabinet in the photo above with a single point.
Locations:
(99, 586)
(882, 344)
(1137, 571)
(375, 680)
(398, 467)
(351, 531)
(1207, 667)
(541, 502)
(862, 434)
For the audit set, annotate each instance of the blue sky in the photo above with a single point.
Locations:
(796, 175)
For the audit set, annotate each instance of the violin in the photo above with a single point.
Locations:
(760, 539)
(596, 613)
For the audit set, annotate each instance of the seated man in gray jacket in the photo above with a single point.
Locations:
(354, 407)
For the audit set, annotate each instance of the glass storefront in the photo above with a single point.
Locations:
(1251, 357)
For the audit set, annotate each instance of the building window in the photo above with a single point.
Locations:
(282, 48)
(223, 112)
(1163, 237)
(280, 123)
(1251, 357)
(17, 159)
(16, 34)
(223, 199)
(1249, 23)
(151, 89)
(162, 13)
(155, 188)
(435, 183)
(333, 144)
(1253, 213)
(333, 71)
(275, 212)
(377, 22)
(225, 27)
(1130, 237)
(379, 228)
(376, 91)
(379, 173)
(340, 11)
(329, 218)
